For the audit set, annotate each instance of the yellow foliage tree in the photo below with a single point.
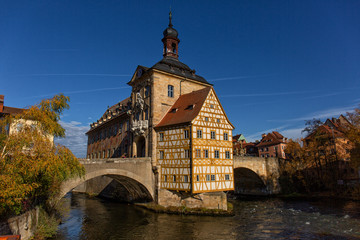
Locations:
(32, 167)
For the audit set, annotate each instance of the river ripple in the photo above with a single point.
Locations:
(96, 219)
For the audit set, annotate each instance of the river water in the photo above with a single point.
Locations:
(269, 218)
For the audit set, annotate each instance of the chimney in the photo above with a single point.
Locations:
(1, 103)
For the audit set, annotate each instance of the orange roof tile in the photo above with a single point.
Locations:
(180, 111)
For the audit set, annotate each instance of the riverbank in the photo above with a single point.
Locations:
(187, 211)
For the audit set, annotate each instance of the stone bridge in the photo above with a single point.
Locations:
(133, 179)
(256, 175)
(135, 176)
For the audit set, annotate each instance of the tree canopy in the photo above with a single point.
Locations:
(32, 167)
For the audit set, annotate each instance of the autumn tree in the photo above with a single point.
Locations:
(32, 167)
(353, 134)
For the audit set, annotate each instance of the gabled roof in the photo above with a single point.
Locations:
(272, 138)
(12, 110)
(325, 130)
(186, 108)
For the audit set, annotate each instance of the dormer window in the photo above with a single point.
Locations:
(170, 91)
(190, 107)
(174, 110)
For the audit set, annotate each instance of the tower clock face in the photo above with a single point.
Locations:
(139, 72)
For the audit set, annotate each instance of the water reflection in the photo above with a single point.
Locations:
(91, 218)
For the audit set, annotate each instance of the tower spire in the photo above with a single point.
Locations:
(170, 40)
(170, 16)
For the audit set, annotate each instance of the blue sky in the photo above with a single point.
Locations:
(274, 64)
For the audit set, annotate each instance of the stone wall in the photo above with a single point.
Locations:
(215, 200)
(23, 225)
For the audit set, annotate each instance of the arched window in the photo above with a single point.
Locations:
(170, 91)
(173, 48)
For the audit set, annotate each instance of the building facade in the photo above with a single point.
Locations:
(173, 116)
(272, 145)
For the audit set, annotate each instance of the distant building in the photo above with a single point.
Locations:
(333, 133)
(272, 145)
(174, 117)
(16, 125)
(242, 147)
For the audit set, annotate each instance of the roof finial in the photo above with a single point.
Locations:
(170, 16)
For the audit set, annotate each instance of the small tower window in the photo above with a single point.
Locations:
(173, 48)
(170, 91)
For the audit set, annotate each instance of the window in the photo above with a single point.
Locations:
(108, 153)
(147, 91)
(187, 153)
(146, 113)
(227, 154)
(186, 178)
(207, 177)
(212, 177)
(173, 47)
(170, 91)
(190, 107)
(211, 106)
(262, 155)
(217, 154)
(198, 153)
(174, 178)
(267, 149)
(199, 134)
(165, 178)
(261, 149)
(206, 153)
(186, 134)
(197, 178)
(267, 155)
(206, 119)
(137, 116)
(227, 177)
(213, 135)
(161, 137)
(174, 110)
(120, 127)
(218, 120)
(226, 136)
(161, 155)
(104, 154)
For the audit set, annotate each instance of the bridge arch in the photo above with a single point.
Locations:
(248, 182)
(116, 174)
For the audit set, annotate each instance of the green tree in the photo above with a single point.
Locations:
(32, 167)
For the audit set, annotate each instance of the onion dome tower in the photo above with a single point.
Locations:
(170, 41)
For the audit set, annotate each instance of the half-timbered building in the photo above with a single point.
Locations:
(174, 117)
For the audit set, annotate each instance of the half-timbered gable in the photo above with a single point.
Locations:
(212, 148)
(194, 144)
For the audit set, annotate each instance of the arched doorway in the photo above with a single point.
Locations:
(247, 182)
(140, 146)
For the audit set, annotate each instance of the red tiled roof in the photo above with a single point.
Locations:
(272, 138)
(326, 130)
(181, 114)
(12, 110)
